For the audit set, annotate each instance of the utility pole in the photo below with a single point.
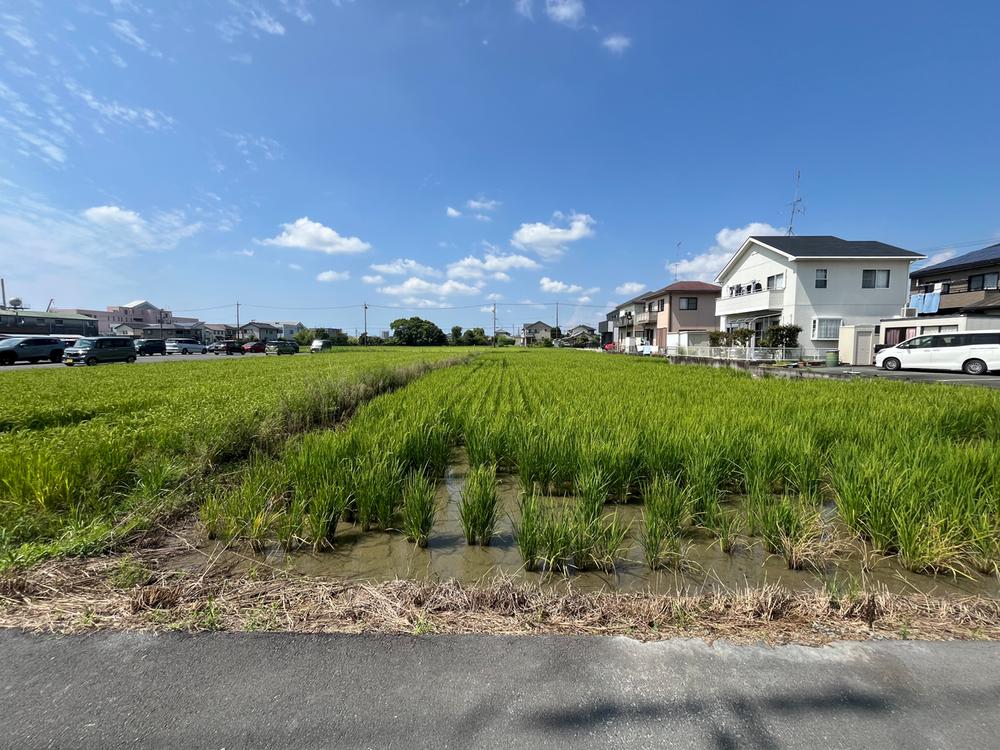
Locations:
(366, 323)
(557, 314)
(237, 319)
(494, 324)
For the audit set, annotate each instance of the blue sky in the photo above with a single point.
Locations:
(299, 155)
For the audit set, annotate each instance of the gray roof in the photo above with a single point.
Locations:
(44, 314)
(988, 256)
(828, 246)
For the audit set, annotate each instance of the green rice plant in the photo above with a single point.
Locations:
(985, 532)
(728, 529)
(289, 524)
(669, 503)
(528, 530)
(592, 487)
(608, 542)
(479, 509)
(927, 545)
(795, 532)
(419, 508)
(323, 511)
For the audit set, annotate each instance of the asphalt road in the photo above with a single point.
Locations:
(917, 376)
(115, 690)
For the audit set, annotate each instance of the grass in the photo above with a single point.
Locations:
(419, 508)
(908, 470)
(88, 455)
(479, 509)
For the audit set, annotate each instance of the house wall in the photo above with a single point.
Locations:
(921, 325)
(844, 296)
(755, 266)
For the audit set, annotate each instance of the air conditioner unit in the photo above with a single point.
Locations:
(909, 312)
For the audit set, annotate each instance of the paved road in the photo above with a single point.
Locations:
(155, 359)
(279, 690)
(918, 376)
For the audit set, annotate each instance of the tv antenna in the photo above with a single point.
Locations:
(796, 206)
(673, 265)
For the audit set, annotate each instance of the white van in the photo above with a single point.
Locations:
(972, 352)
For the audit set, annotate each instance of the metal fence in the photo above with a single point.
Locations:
(749, 353)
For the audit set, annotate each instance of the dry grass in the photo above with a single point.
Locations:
(80, 595)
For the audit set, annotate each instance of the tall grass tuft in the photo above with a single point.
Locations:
(479, 509)
(419, 508)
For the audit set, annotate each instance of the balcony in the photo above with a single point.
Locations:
(646, 318)
(766, 300)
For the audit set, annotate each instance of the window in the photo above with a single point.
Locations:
(660, 305)
(983, 338)
(821, 278)
(983, 281)
(945, 287)
(689, 303)
(921, 342)
(826, 328)
(875, 279)
(776, 282)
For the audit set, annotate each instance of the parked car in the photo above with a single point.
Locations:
(320, 345)
(98, 349)
(19, 348)
(185, 346)
(226, 347)
(280, 346)
(974, 353)
(253, 347)
(149, 347)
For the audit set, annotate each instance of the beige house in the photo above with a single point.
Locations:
(682, 306)
(534, 332)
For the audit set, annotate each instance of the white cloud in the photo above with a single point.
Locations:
(415, 286)
(422, 302)
(16, 32)
(243, 58)
(525, 8)
(552, 286)
(295, 267)
(585, 299)
(472, 267)
(116, 112)
(486, 308)
(617, 44)
(264, 21)
(306, 234)
(453, 213)
(706, 266)
(494, 297)
(404, 266)
(245, 253)
(333, 276)
(501, 276)
(127, 32)
(550, 240)
(254, 147)
(482, 204)
(934, 259)
(567, 12)
(373, 278)
(629, 288)
(114, 216)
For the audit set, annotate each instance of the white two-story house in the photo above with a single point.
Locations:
(818, 283)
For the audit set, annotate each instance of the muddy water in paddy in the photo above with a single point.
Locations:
(379, 556)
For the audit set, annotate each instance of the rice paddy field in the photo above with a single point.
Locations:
(619, 472)
(613, 473)
(90, 454)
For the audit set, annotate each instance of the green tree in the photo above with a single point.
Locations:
(417, 332)
(475, 337)
(456, 336)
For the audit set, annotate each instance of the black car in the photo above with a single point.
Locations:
(149, 347)
(226, 347)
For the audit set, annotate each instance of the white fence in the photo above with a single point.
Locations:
(749, 353)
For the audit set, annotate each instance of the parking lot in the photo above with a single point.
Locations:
(155, 359)
(916, 376)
